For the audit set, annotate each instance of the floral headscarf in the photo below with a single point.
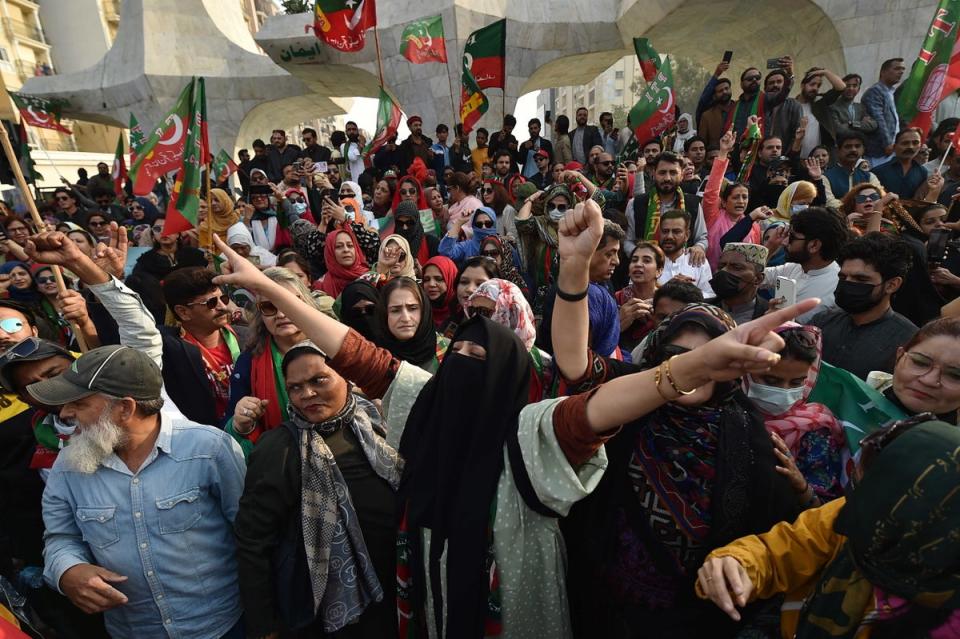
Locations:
(512, 309)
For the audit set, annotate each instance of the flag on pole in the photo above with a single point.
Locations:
(162, 152)
(422, 41)
(223, 167)
(136, 138)
(185, 199)
(648, 57)
(936, 72)
(388, 119)
(473, 102)
(751, 138)
(485, 55)
(654, 112)
(343, 23)
(40, 112)
(119, 171)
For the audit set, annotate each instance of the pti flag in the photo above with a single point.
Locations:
(162, 152)
(473, 103)
(654, 112)
(136, 138)
(648, 57)
(119, 172)
(388, 119)
(185, 199)
(422, 41)
(223, 167)
(485, 55)
(40, 112)
(342, 23)
(936, 71)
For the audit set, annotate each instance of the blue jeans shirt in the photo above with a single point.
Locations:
(168, 528)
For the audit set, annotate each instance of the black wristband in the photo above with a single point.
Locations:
(575, 297)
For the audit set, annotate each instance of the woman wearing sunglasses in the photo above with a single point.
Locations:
(258, 396)
(167, 254)
(484, 223)
(395, 260)
(882, 562)
(409, 189)
(140, 211)
(863, 207)
(495, 196)
(404, 325)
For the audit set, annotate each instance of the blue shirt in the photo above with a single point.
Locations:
(168, 528)
(892, 178)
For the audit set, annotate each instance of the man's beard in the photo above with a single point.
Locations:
(94, 443)
(800, 257)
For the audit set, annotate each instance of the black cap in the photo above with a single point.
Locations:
(119, 371)
(31, 349)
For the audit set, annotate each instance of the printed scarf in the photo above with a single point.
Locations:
(651, 229)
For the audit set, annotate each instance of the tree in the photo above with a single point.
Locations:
(295, 6)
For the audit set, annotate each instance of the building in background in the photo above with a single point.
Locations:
(610, 91)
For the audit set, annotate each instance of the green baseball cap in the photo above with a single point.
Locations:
(119, 371)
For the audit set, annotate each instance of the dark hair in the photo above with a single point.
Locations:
(905, 130)
(851, 76)
(487, 264)
(383, 301)
(292, 256)
(665, 156)
(729, 188)
(102, 192)
(819, 146)
(500, 197)
(797, 345)
(534, 121)
(310, 131)
(889, 256)
(182, 285)
(484, 131)
(500, 153)
(348, 123)
(442, 128)
(746, 71)
(605, 114)
(690, 142)
(259, 144)
(817, 223)
(767, 138)
(13, 217)
(242, 151)
(296, 353)
(658, 255)
(679, 291)
(462, 181)
(677, 214)
(338, 138)
(611, 231)
(889, 63)
(722, 81)
(562, 125)
(61, 189)
(850, 134)
(582, 108)
(773, 73)
(509, 120)
(656, 141)
(23, 309)
(940, 327)
(280, 131)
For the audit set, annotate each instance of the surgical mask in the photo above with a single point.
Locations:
(556, 214)
(772, 400)
(725, 284)
(796, 208)
(855, 297)
(299, 208)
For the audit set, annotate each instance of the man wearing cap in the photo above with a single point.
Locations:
(739, 275)
(139, 508)
(543, 177)
(416, 145)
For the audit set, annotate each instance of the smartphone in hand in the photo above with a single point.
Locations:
(727, 56)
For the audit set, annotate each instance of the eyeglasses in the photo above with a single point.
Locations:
(211, 303)
(753, 78)
(861, 198)
(299, 200)
(483, 311)
(492, 254)
(872, 444)
(487, 190)
(794, 236)
(345, 196)
(540, 157)
(134, 207)
(561, 208)
(12, 325)
(405, 224)
(62, 198)
(920, 364)
(408, 191)
(488, 224)
(96, 223)
(267, 308)
(46, 279)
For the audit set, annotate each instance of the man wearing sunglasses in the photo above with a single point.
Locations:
(846, 173)
(752, 102)
(68, 209)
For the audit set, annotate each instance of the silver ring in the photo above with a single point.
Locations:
(246, 413)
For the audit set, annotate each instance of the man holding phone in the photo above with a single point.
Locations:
(715, 105)
(753, 101)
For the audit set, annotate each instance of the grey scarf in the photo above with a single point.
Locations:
(341, 573)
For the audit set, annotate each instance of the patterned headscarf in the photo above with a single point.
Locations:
(559, 189)
(753, 253)
(512, 309)
(712, 319)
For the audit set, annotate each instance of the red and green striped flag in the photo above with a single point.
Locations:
(473, 102)
(136, 138)
(162, 152)
(485, 55)
(343, 23)
(223, 167)
(422, 41)
(654, 112)
(648, 57)
(119, 171)
(185, 199)
(388, 119)
(40, 112)
(936, 72)
(751, 139)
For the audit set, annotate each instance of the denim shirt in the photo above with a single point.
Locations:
(168, 528)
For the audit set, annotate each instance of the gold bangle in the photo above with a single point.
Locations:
(673, 382)
(657, 378)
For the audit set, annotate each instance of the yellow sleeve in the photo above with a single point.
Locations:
(790, 557)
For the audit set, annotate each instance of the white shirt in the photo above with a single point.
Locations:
(699, 274)
(811, 136)
(820, 283)
(354, 160)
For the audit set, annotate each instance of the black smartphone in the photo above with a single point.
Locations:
(727, 56)
(773, 63)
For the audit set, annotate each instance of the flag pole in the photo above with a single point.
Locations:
(376, 38)
(209, 210)
(453, 103)
(944, 158)
(38, 222)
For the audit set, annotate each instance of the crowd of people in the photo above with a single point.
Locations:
(483, 387)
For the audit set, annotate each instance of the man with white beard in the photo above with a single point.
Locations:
(139, 508)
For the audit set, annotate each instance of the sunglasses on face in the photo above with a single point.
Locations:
(487, 190)
(96, 223)
(62, 198)
(346, 195)
(267, 308)
(405, 224)
(46, 279)
(134, 207)
(12, 325)
(300, 200)
(482, 311)
(752, 78)
(485, 224)
(211, 303)
(491, 253)
(158, 229)
(561, 208)
(872, 197)
(408, 191)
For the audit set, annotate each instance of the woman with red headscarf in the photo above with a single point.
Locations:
(440, 285)
(345, 261)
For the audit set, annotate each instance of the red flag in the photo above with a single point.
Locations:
(39, 112)
(944, 80)
(119, 171)
(342, 23)
(162, 152)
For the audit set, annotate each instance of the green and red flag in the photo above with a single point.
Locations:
(422, 41)
(185, 199)
(40, 112)
(485, 55)
(751, 140)
(223, 167)
(119, 171)
(654, 112)
(648, 58)
(343, 23)
(388, 119)
(936, 72)
(21, 145)
(136, 138)
(473, 102)
(162, 151)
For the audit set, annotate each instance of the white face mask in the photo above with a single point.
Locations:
(299, 208)
(796, 208)
(556, 214)
(772, 400)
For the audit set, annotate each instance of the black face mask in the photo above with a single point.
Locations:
(725, 284)
(856, 297)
